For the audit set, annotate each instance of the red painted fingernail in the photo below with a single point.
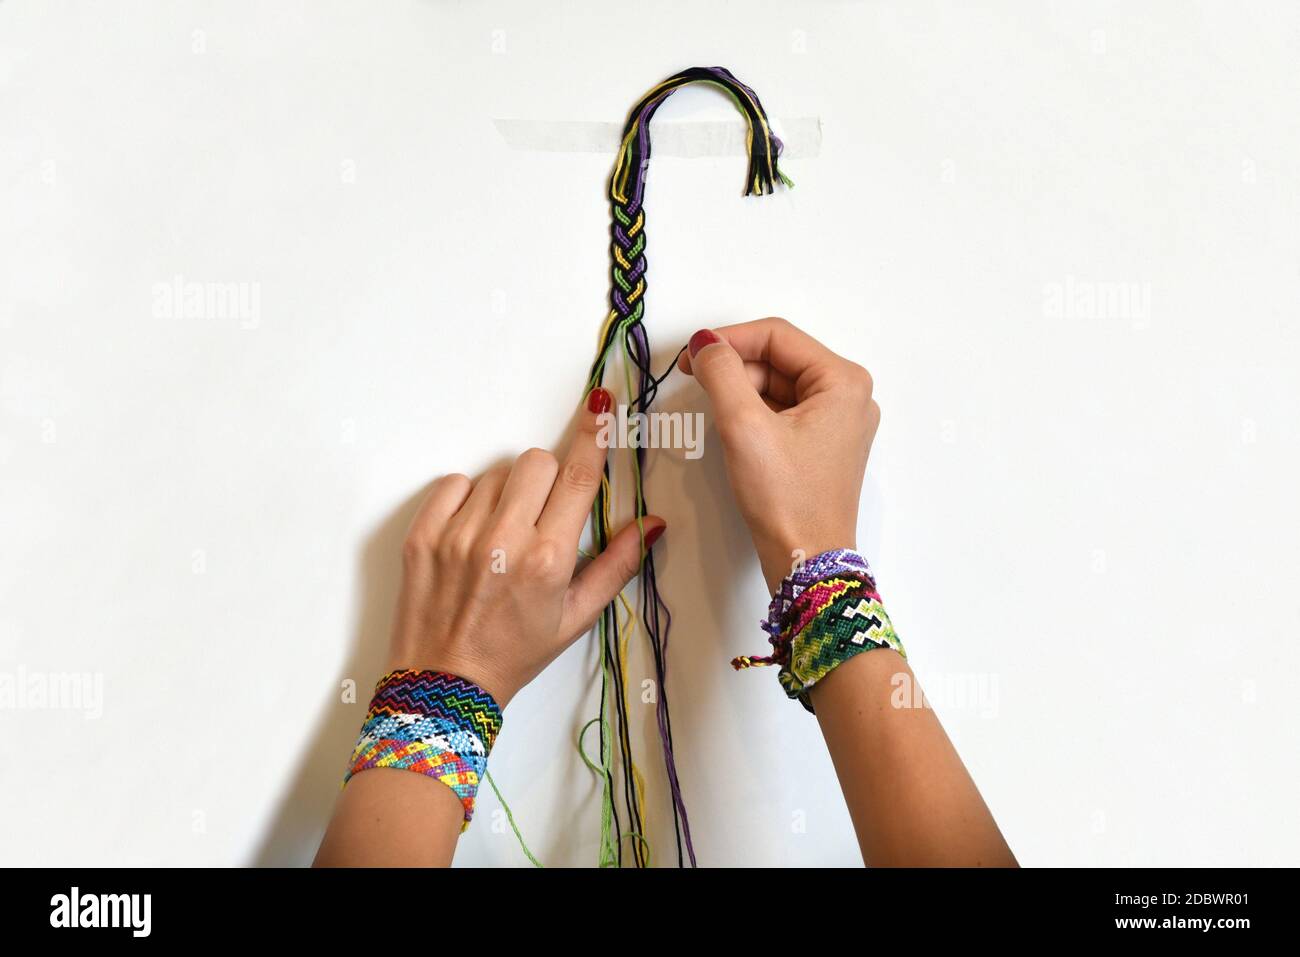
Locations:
(705, 337)
(652, 534)
(599, 400)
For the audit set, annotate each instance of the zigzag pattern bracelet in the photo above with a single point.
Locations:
(823, 613)
(433, 723)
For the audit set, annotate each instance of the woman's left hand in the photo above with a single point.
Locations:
(488, 585)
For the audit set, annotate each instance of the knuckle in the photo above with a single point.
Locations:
(464, 549)
(415, 547)
(860, 381)
(629, 565)
(454, 548)
(580, 476)
(454, 480)
(544, 560)
(536, 456)
(715, 357)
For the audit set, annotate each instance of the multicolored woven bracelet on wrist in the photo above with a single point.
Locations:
(824, 612)
(433, 723)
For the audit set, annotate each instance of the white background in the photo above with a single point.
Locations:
(1089, 515)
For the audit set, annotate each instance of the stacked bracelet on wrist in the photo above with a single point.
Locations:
(433, 723)
(824, 612)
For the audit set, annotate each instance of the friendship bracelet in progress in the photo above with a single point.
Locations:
(624, 329)
(824, 613)
(432, 723)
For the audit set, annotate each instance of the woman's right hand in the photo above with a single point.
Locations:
(796, 423)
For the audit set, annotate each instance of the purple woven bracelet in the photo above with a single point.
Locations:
(825, 565)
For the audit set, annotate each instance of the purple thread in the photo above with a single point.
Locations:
(641, 349)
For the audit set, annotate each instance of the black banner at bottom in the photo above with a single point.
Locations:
(218, 907)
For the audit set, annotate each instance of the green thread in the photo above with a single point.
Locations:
(644, 844)
(608, 851)
(511, 818)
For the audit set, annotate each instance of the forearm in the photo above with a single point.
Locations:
(392, 818)
(911, 799)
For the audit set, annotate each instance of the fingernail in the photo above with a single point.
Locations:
(652, 535)
(705, 337)
(599, 400)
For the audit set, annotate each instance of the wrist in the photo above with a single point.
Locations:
(500, 687)
(824, 612)
(780, 559)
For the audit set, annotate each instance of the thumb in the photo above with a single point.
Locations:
(721, 372)
(604, 577)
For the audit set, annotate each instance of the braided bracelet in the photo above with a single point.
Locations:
(824, 612)
(432, 723)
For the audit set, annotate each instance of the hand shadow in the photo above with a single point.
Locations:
(299, 823)
(295, 831)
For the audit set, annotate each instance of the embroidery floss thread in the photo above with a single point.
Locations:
(624, 328)
(433, 723)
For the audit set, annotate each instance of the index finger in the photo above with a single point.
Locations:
(580, 476)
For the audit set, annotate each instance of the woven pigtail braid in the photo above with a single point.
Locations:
(625, 331)
(627, 262)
